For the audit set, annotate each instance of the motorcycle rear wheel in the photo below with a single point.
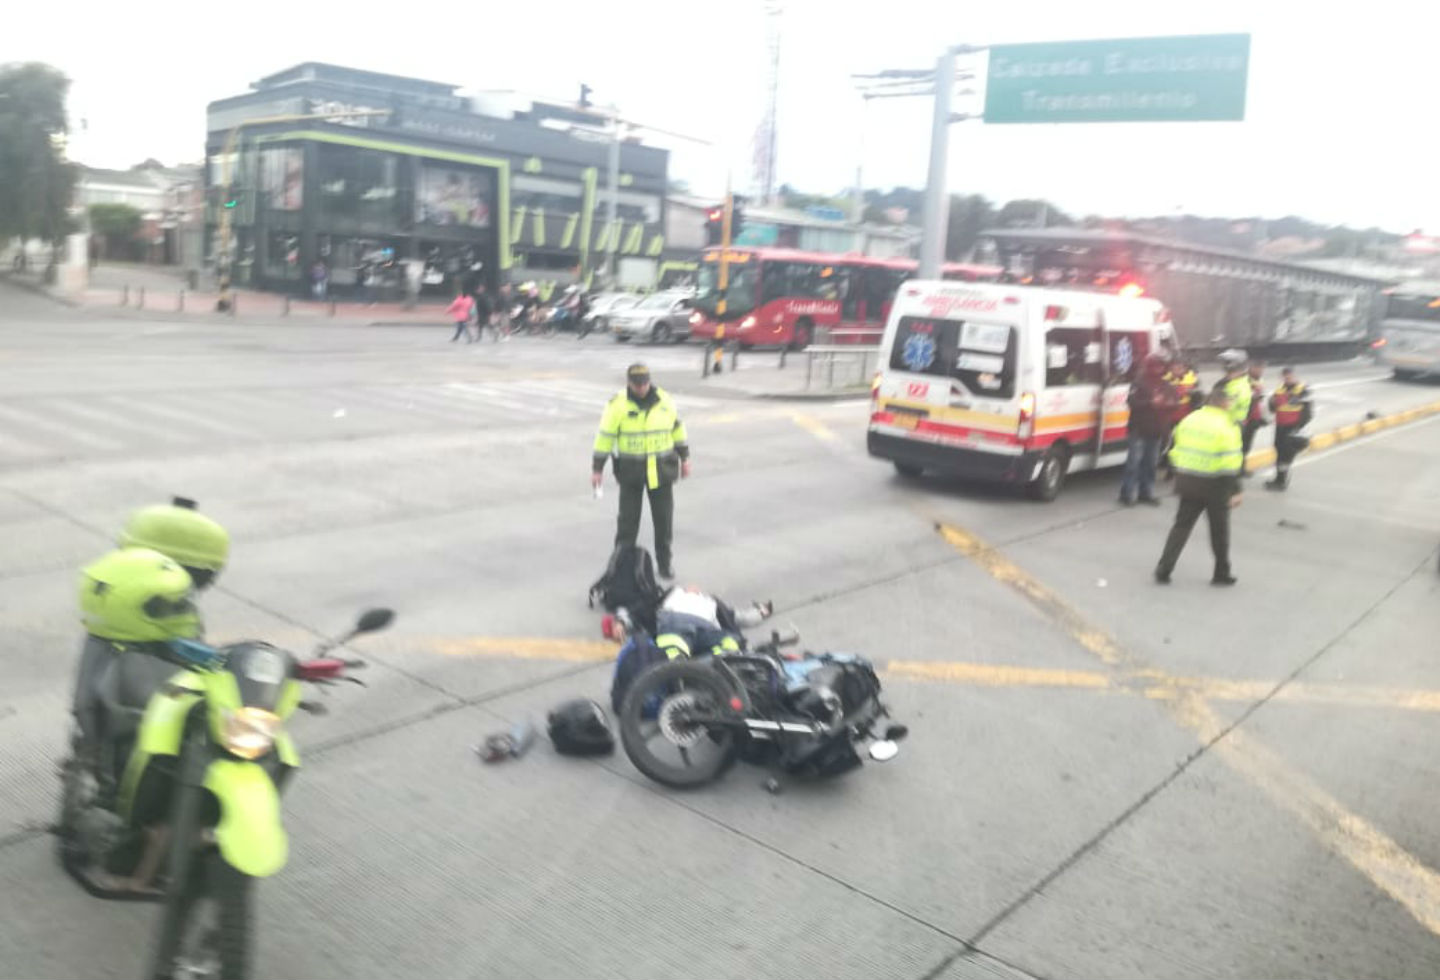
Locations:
(703, 754)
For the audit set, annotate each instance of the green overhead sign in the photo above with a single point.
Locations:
(1198, 78)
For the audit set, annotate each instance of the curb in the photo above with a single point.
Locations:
(853, 394)
(38, 289)
(1260, 458)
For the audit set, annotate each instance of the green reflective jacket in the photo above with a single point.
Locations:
(646, 443)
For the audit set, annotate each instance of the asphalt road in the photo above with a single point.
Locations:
(1105, 778)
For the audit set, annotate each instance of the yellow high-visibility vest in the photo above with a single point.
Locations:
(1207, 443)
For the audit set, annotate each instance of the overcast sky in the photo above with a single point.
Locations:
(1340, 122)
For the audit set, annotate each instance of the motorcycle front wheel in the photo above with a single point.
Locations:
(213, 923)
(661, 742)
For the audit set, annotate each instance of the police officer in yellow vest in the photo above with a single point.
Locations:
(1237, 383)
(1207, 459)
(641, 429)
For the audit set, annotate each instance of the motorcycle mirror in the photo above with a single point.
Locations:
(373, 620)
(884, 751)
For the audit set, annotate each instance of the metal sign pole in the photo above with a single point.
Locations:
(937, 201)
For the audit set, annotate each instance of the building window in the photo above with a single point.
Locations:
(282, 177)
(548, 195)
(454, 196)
(357, 187)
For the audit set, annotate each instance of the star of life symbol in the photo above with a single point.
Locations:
(1124, 355)
(919, 351)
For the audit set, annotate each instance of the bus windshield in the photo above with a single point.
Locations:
(739, 294)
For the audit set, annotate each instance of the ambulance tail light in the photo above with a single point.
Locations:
(1026, 428)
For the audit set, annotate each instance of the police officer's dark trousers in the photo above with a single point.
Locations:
(1210, 496)
(662, 515)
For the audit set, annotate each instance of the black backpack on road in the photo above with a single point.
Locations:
(629, 582)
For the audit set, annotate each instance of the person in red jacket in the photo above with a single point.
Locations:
(1152, 404)
(1291, 405)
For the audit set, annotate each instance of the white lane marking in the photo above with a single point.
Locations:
(1327, 385)
(25, 418)
(199, 418)
(1363, 440)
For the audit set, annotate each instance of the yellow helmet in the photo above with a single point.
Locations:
(137, 595)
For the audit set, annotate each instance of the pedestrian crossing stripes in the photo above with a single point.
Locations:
(37, 430)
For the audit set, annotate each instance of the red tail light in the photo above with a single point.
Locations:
(1026, 427)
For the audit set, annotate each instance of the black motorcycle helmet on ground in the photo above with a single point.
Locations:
(580, 727)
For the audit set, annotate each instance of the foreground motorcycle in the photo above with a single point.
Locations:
(685, 722)
(194, 816)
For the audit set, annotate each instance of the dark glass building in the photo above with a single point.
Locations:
(353, 168)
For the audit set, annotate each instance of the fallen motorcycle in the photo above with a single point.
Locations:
(192, 815)
(685, 722)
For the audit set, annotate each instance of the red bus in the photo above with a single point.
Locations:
(781, 297)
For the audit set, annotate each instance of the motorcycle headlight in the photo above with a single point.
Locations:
(250, 732)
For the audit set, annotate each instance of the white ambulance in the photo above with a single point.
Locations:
(1011, 383)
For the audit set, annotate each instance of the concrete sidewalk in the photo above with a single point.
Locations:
(149, 294)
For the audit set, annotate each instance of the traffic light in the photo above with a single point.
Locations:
(715, 225)
(230, 201)
(584, 96)
(737, 215)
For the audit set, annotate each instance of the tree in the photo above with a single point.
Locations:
(970, 215)
(118, 224)
(36, 184)
(1028, 213)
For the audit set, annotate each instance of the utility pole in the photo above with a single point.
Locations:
(937, 201)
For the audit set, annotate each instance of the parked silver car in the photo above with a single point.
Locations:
(603, 307)
(660, 318)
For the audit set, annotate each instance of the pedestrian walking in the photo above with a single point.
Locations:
(484, 312)
(1207, 461)
(641, 429)
(1292, 408)
(1152, 404)
(319, 280)
(1254, 419)
(460, 311)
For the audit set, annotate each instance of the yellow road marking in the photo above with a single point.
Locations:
(1158, 686)
(1375, 855)
(523, 648)
(1155, 685)
(813, 426)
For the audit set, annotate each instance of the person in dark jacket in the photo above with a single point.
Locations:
(1152, 406)
(484, 313)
